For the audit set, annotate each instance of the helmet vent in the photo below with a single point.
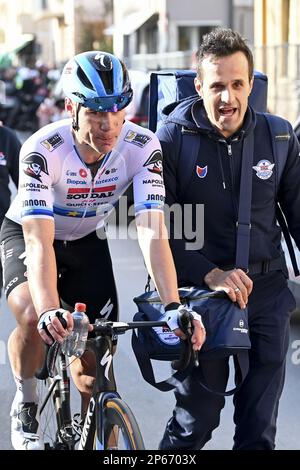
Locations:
(84, 79)
(107, 80)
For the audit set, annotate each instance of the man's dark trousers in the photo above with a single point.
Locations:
(197, 412)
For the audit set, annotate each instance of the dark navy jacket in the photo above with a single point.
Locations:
(219, 163)
(9, 166)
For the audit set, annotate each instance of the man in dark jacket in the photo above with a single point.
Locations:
(9, 167)
(222, 118)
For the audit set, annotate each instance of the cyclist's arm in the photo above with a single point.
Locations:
(153, 240)
(41, 263)
(41, 268)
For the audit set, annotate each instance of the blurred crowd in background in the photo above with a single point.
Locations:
(30, 97)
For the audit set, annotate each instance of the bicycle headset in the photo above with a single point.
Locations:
(97, 80)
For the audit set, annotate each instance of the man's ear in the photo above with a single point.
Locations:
(198, 86)
(69, 106)
(251, 84)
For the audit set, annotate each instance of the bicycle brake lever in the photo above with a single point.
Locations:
(196, 358)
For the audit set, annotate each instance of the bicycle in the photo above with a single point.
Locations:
(109, 423)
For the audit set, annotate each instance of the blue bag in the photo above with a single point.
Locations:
(227, 334)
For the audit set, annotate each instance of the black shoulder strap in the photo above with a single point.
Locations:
(280, 137)
(245, 197)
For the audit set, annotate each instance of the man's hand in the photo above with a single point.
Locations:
(55, 325)
(235, 283)
(199, 334)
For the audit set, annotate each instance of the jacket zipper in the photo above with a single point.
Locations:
(229, 153)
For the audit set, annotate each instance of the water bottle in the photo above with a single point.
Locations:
(74, 343)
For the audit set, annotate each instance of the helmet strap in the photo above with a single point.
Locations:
(75, 125)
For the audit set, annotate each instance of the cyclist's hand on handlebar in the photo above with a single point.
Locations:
(198, 336)
(55, 325)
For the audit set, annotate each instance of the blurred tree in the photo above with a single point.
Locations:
(91, 34)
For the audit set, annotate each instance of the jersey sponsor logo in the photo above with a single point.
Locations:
(84, 193)
(201, 171)
(155, 197)
(34, 203)
(69, 181)
(264, 169)
(53, 142)
(35, 165)
(71, 173)
(154, 183)
(108, 180)
(154, 163)
(34, 186)
(138, 139)
(83, 173)
(2, 159)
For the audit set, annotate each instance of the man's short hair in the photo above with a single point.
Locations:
(221, 42)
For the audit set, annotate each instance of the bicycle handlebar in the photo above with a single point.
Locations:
(110, 328)
(47, 369)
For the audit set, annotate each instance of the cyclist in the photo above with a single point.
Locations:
(71, 172)
(9, 155)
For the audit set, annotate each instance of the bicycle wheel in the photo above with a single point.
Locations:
(55, 415)
(121, 430)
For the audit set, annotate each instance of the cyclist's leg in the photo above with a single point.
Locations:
(86, 275)
(25, 346)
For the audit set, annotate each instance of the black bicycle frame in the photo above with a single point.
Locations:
(104, 388)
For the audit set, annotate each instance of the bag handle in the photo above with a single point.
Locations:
(143, 359)
(144, 362)
(241, 362)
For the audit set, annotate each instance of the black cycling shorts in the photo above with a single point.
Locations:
(84, 271)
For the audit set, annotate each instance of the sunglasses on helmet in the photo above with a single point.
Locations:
(109, 103)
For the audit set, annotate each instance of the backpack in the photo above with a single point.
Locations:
(167, 87)
(171, 87)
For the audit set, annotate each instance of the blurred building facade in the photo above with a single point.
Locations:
(148, 34)
(277, 53)
(166, 33)
(52, 30)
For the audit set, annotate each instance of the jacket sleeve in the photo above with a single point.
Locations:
(191, 265)
(13, 151)
(289, 189)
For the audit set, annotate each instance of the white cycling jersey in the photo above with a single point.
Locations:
(54, 182)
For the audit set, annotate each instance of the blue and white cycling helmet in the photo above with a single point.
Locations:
(97, 80)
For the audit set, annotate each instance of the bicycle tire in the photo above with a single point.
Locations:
(120, 426)
(55, 434)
